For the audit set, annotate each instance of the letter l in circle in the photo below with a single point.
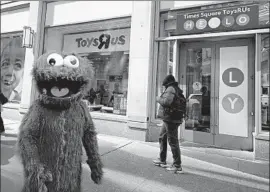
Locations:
(230, 78)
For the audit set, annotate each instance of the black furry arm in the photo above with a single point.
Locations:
(91, 147)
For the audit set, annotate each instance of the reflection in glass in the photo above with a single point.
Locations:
(198, 89)
(265, 112)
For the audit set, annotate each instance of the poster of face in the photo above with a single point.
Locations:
(12, 68)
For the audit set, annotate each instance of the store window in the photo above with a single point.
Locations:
(12, 67)
(265, 89)
(198, 90)
(108, 51)
(165, 58)
(165, 63)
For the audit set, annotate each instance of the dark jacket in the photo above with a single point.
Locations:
(166, 100)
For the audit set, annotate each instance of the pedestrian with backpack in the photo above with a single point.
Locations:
(171, 111)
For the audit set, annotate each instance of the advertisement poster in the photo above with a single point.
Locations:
(239, 17)
(12, 68)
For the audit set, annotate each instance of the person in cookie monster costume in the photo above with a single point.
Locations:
(57, 125)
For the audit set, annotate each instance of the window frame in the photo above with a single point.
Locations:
(89, 27)
(258, 99)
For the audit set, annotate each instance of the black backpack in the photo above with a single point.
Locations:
(179, 105)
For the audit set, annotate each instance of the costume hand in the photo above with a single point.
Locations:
(96, 176)
(96, 172)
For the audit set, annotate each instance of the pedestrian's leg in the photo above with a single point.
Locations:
(163, 142)
(174, 143)
(163, 147)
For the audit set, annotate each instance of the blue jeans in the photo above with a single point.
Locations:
(169, 132)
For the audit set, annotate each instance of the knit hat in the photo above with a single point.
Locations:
(168, 79)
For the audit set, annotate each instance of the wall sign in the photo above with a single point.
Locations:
(233, 91)
(241, 17)
(233, 103)
(101, 41)
(233, 77)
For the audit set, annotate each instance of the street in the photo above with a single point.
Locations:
(128, 168)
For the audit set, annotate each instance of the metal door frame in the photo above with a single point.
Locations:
(229, 141)
(190, 135)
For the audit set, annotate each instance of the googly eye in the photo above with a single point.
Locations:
(55, 59)
(71, 61)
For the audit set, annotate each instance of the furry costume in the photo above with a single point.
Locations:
(56, 125)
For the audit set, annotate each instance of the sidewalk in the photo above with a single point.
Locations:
(235, 160)
(128, 168)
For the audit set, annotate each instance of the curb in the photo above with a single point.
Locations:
(260, 169)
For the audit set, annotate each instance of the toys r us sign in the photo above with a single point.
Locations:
(102, 41)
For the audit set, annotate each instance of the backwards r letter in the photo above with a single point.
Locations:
(104, 39)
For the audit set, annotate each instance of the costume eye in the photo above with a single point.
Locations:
(71, 61)
(55, 59)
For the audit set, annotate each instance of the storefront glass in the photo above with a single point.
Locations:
(108, 51)
(198, 90)
(265, 89)
(163, 68)
(12, 67)
(165, 59)
(110, 84)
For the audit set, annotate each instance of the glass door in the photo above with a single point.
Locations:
(217, 79)
(197, 77)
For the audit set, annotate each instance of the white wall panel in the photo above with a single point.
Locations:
(233, 102)
(140, 59)
(60, 13)
(14, 20)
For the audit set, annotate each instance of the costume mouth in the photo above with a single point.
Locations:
(60, 87)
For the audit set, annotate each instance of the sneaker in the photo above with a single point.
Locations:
(157, 162)
(175, 169)
(165, 165)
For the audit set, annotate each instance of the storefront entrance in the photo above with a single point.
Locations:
(218, 80)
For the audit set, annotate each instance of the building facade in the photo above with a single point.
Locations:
(218, 52)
